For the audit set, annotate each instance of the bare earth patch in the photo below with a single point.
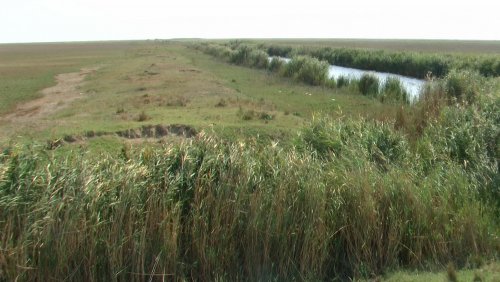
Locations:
(54, 98)
(151, 133)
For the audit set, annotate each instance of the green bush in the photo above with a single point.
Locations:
(343, 81)
(215, 50)
(258, 59)
(393, 91)
(368, 85)
(241, 55)
(249, 56)
(330, 83)
(280, 51)
(463, 86)
(307, 69)
(375, 142)
(276, 65)
(469, 135)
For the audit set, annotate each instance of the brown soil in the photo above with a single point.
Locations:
(54, 98)
(158, 131)
(144, 133)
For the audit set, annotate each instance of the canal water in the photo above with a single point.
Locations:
(413, 86)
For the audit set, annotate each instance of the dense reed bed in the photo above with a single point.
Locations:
(303, 68)
(351, 198)
(412, 64)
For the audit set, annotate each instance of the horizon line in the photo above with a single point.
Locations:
(248, 38)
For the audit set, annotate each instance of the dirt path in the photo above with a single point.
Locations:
(54, 98)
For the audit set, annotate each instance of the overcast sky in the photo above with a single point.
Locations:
(81, 20)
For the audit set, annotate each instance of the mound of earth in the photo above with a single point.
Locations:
(145, 132)
(158, 131)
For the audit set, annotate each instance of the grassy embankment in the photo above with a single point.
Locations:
(170, 84)
(352, 197)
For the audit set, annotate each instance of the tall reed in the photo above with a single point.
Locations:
(351, 198)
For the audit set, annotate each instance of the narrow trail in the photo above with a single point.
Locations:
(54, 98)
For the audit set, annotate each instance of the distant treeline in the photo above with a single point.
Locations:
(413, 64)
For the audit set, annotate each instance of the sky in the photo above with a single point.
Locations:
(88, 20)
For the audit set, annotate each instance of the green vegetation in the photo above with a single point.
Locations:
(276, 65)
(301, 68)
(349, 200)
(245, 55)
(463, 86)
(28, 68)
(404, 63)
(343, 81)
(307, 69)
(369, 85)
(285, 180)
(458, 47)
(413, 64)
(394, 91)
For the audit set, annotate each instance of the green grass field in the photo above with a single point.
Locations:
(284, 180)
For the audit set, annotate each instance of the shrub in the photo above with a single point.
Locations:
(178, 101)
(330, 83)
(266, 116)
(249, 56)
(307, 69)
(276, 65)
(469, 136)
(258, 59)
(343, 81)
(143, 116)
(280, 51)
(394, 91)
(120, 110)
(463, 85)
(216, 50)
(487, 66)
(376, 142)
(246, 115)
(368, 85)
(222, 103)
(241, 54)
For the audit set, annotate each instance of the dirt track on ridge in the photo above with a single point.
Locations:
(54, 98)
